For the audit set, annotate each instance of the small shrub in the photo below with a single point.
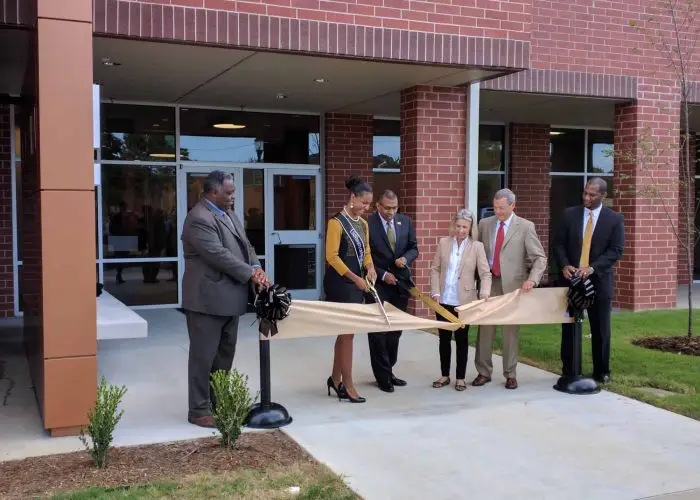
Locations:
(233, 403)
(103, 419)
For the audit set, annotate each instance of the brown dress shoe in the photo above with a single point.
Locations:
(480, 380)
(511, 383)
(205, 421)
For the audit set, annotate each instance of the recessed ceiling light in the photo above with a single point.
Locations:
(320, 80)
(162, 155)
(156, 124)
(108, 62)
(281, 96)
(228, 126)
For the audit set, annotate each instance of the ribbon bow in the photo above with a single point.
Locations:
(581, 295)
(272, 305)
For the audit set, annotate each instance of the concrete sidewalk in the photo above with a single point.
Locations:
(420, 442)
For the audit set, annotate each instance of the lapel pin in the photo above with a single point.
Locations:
(398, 223)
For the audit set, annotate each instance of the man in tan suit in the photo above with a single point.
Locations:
(220, 266)
(517, 260)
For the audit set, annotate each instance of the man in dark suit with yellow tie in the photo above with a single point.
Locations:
(589, 243)
(392, 239)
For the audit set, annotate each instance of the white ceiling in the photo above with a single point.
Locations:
(209, 76)
(546, 109)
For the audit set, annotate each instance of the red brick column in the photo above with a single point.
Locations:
(6, 281)
(685, 274)
(646, 277)
(433, 166)
(348, 151)
(529, 175)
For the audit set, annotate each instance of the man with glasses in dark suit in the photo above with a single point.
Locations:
(394, 247)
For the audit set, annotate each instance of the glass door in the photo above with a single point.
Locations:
(293, 228)
(190, 185)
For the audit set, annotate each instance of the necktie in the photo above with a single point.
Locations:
(497, 251)
(391, 236)
(587, 236)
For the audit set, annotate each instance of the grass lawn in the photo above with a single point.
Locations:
(632, 367)
(316, 482)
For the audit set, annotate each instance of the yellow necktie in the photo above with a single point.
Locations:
(391, 236)
(586, 248)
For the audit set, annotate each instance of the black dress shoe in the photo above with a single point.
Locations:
(386, 387)
(397, 381)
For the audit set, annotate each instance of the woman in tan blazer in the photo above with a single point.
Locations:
(457, 261)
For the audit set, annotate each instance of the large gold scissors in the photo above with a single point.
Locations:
(373, 291)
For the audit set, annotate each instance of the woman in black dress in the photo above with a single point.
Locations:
(349, 262)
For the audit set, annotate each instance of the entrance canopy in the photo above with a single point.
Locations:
(209, 76)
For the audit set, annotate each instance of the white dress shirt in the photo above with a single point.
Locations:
(451, 293)
(506, 225)
(596, 215)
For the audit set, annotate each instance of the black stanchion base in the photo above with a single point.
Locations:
(577, 385)
(272, 416)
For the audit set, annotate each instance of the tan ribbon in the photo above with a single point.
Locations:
(312, 318)
(539, 306)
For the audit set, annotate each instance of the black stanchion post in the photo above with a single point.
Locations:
(266, 414)
(577, 384)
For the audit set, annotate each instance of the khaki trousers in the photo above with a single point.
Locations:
(484, 343)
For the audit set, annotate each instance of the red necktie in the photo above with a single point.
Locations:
(496, 271)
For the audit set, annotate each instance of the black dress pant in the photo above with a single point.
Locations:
(461, 337)
(384, 347)
(212, 348)
(599, 321)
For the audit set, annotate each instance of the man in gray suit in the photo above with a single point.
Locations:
(220, 266)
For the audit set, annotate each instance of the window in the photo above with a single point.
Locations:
(16, 165)
(136, 205)
(386, 156)
(246, 137)
(138, 133)
(492, 167)
(576, 155)
(139, 233)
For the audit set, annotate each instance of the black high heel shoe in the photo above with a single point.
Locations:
(358, 399)
(339, 391)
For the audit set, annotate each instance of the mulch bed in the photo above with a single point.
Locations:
(140, 464)
(677, 345)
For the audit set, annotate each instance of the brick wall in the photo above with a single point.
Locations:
(348, 144)
(6, 278)
(529, 175)
(596, 37)
(647, 275)
(433, 159)
(684, 273)
(487, 18)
